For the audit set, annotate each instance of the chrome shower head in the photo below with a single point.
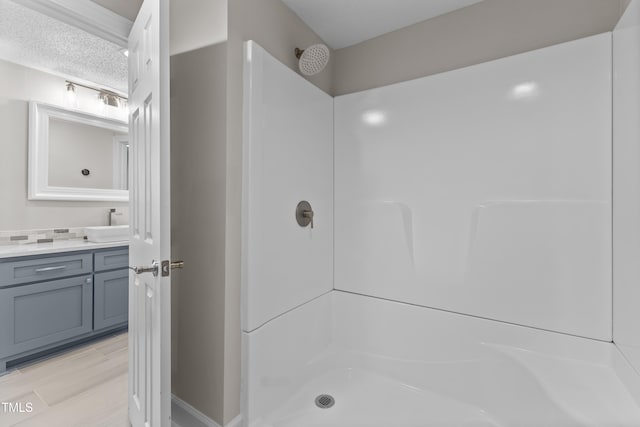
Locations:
(313, 59)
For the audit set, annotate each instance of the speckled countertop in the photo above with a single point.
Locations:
(10, 251)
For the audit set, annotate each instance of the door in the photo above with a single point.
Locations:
(149, 289)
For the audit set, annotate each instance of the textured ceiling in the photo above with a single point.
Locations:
(342, 23)
(35, 40)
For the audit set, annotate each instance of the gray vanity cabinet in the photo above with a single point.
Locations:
(54, 300)
(38, 314)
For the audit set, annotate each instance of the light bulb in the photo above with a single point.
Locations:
(101, 104)
(70, 94)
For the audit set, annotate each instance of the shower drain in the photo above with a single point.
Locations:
(325, 401)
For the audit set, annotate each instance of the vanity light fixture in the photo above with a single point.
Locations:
(105, 97)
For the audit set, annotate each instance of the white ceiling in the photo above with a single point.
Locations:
(342, 23)
(37, 41)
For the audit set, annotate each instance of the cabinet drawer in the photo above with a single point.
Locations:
(44, 268)
(111, 298)
(43, 313)
(111, 259)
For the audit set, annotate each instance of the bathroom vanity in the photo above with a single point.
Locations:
(57, 294)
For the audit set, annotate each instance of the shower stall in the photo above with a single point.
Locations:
(457, 265)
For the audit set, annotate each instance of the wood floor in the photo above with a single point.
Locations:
(82, 387)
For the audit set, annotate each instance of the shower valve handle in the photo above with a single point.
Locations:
(308, 214)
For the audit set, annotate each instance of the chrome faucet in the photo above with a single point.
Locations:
(111, 212)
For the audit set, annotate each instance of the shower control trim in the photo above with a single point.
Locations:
(304, 214)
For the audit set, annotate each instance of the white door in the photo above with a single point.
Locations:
(149, 291)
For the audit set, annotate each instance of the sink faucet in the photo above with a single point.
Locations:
(111, 212)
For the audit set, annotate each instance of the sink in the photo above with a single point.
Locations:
(104, 234)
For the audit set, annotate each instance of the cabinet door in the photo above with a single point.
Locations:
(43, 313)
(111, 298)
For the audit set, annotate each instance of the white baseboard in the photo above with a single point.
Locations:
(185, 415)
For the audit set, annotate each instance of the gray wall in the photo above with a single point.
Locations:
(196, 23)
(198, 169)
(481, 32)
(277, 29)
(126, 8)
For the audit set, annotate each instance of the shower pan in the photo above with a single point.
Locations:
(459, 267)
(392, 364)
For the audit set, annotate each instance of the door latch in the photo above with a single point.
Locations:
(167, 266)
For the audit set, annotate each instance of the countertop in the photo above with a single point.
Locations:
(10, 251)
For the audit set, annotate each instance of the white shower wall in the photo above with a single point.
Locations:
(626, 184)
(484, 191)
(287, 158)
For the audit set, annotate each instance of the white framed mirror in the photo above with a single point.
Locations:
(76, 156)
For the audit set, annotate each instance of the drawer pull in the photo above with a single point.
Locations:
(47, 269)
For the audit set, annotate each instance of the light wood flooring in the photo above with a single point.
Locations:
(83, 387)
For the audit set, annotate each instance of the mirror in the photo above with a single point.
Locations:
(76, 156)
